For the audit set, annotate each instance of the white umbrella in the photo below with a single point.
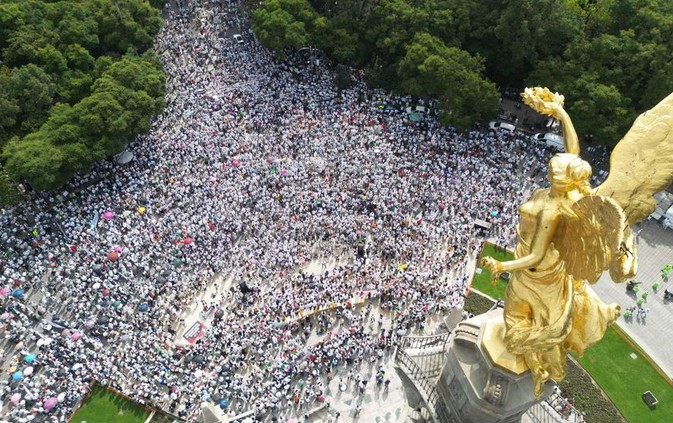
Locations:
(124, 157)
(28, 371)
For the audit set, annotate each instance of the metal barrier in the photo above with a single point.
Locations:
(424, 342)
(426, 387)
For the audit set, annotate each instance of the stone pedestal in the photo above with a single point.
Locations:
(481, 382)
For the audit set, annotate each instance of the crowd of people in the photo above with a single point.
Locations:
(257, 167)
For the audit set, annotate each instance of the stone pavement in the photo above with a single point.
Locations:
(655, 333)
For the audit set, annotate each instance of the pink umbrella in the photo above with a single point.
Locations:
(235, 163)
(75, 336)
(188, 240)
(108, 215)
(283, 172)
(50, 403)
(106, 292)
(4, 291)
(117, 249)
(15, 398)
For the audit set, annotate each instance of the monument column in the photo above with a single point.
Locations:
(481, 382)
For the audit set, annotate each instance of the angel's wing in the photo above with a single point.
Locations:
(590, 236)
(642, 162)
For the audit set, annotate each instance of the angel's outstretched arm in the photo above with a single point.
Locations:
(572, 144)
(548, 103)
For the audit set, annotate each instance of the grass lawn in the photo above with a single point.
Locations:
(104, 406)
(624, 379)
(482, 280)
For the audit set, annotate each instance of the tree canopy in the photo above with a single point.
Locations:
(612, 59)
(76, 84)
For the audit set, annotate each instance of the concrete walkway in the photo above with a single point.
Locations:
(655, 333)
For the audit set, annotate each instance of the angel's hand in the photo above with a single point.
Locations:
(493, 266)
(543, 101)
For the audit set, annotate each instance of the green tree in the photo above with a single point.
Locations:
(339, 42)
(35, 159)
(51, 60)
(78, 58)
(600, 112)
(391, 26)
(430, 67)
(11, 18)
(24, 44)
(33, 90)
(78, 26)
(74, 85)
(286, 23)
(9, 107)
(125, 24)
(513, 35)
(71, 52)
(9, 194)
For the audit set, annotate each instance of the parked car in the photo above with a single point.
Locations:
(502, 126)
(550, 139)
(238, 38)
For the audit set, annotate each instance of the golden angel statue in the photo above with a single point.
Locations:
(570, 233)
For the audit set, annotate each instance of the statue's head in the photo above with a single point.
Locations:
(568, 172)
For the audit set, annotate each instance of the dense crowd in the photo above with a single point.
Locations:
(256, 168)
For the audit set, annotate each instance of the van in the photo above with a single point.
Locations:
(502, 126)
(550, 139)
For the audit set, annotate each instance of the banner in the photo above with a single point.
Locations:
(195, 332)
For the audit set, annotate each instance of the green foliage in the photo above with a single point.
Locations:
(32, 90)
(429, 67)
(287, 23)
(100, 125)
(611, 59)
(477, 304)
(69, 93)
(340, 41)
(619, 67)
(9, 194)
(587, 396)
(482, 279)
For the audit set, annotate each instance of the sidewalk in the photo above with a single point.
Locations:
(655, 333)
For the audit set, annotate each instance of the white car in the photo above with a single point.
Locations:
(238, 38)
(502, 126)
(550, 139)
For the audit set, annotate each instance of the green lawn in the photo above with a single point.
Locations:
(482, 281)
(624, 379)
(104, 406)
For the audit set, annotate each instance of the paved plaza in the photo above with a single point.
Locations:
(654, 333)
